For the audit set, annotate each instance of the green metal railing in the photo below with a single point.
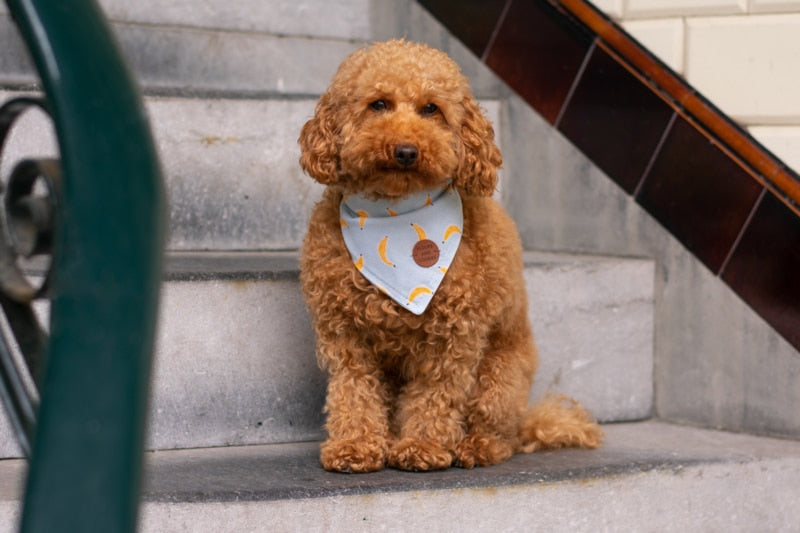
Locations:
(84, 421)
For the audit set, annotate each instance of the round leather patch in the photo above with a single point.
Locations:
(425, 253)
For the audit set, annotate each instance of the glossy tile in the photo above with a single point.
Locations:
(765, 267)
(471, 21)
(615, 119)
(698, 193)
(538, 52)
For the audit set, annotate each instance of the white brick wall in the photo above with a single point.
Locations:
(663, 36)
(659, 8)
(747, 65)
(741, 54)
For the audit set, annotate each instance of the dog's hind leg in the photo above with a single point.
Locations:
(500, 397)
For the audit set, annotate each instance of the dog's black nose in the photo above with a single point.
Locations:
(406, 154)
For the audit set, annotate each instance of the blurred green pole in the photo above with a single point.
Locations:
(86, 468)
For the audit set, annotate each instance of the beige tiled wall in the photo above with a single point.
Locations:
(659, 8)
(741, 54)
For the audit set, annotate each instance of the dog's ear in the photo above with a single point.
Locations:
(480, 157)
(319, 152)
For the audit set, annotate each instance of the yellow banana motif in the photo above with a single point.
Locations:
(449, 232)
(392, 212)
(443, 270)
(359, 262)
(343, 223)
(420, 232)
(362, 216)
(428, 200)
(382, 251)
(417, 292)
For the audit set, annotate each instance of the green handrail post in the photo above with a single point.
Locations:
(85, 470)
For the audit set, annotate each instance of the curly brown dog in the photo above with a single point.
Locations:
(450, 385)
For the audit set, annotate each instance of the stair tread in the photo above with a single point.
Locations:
(290, 471)
(181, 265)
(203, 265)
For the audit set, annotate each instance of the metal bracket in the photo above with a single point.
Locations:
(26, 230)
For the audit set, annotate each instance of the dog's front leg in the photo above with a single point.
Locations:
(357, 422)
(430, 411)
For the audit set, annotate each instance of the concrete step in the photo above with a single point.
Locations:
(649, 476)
(215, 49)
(235, 360)
(350, 19)
(230, 166)
(248, 48)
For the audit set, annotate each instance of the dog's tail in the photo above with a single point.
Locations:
(557, 421)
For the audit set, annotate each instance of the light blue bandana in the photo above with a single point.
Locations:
(404, 247)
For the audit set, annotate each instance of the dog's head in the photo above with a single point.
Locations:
(399, 118)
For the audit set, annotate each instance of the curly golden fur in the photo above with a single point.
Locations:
(450, 386)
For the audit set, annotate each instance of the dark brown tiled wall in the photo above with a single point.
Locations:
(698, 193)
(537, 55)
(764, 267)
(713, 203)
(615, 119)
(472, 21)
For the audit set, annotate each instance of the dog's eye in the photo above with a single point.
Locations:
(379, 105)
(429, 109)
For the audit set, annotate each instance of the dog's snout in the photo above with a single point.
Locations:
(406, 154)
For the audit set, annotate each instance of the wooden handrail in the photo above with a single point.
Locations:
(766, 168)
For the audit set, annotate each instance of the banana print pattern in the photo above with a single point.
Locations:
(417, 292)
(390, 242)
(362, 218)
(421, 235)
(449, 232)
(382, 251)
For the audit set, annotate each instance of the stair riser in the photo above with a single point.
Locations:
(232, 172)
(251, 376)
(184, 60)
(350, 19)
(235, 360)
(235, 364)
(593, 322)
(231, 168)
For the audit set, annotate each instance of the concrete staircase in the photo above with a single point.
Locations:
(237, 397)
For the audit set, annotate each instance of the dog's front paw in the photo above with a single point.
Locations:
(482, 450)
(419, 455)
(354, 455)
